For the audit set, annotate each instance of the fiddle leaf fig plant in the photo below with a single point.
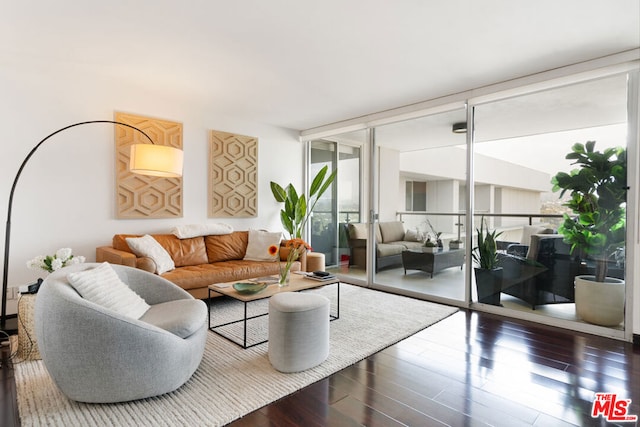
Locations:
(598, 190)
(294, 215)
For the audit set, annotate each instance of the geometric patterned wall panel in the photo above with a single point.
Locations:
(142, 196)
(233, 175)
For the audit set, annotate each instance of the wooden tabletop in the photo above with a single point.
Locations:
(297, 282)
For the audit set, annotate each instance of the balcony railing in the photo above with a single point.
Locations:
(452, 223)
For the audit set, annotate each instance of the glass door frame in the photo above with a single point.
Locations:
(336, 188)
(374, 195)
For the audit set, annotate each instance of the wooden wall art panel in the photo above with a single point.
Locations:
(233, 175)
(141, 196)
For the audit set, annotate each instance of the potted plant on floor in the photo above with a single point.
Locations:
(598, 191)
(488, 273)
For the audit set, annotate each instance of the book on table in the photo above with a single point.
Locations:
(322, 278)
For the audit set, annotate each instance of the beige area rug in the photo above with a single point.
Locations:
(232, 382)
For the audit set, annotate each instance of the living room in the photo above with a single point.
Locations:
(269, 71)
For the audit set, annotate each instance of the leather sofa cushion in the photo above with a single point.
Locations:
(199, 276)
(226, 247)
(120, 242)
(184, 252)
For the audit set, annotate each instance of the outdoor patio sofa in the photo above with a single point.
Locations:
(391, 240)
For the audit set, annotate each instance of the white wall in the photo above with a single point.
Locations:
(515, 201)
(443, 196)
(450, 162)
(66, 194)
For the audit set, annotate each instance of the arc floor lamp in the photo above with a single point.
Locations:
(146, 159)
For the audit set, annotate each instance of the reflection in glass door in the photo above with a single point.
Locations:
(337, 208)
(519, 145)
(420, 233)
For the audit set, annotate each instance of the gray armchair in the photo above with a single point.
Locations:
(96, 355)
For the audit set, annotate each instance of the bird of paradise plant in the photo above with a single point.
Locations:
(294, 215)
(296, 212)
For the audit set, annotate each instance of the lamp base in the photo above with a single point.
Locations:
(10, 327)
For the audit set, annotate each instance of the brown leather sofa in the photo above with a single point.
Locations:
(200, 261)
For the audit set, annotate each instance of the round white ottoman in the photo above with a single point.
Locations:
(298, 331)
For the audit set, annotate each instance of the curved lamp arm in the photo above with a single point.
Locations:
(171, 166)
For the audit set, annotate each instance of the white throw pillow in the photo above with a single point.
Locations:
(259, 243)
(196, 230)
(101, 285)
(147, 246)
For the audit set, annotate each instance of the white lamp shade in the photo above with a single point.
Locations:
(156, 160)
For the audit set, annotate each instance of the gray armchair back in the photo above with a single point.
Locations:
(554, 274)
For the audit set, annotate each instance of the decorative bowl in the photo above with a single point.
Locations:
(247, 288)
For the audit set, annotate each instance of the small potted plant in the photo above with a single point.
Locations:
(488, 273)
(437, 234)
(430, 245)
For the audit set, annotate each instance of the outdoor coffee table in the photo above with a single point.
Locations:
(432, 262)
(297, 283)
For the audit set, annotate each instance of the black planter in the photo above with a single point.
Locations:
(489, 285)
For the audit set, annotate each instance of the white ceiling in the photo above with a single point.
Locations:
(306, 63)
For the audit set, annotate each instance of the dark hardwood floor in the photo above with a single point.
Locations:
(471, 369)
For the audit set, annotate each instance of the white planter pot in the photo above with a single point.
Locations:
(600, 303)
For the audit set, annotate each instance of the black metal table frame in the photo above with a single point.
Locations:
(246, 318)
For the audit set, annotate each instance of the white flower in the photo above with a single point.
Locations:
(56, 264)
(36, 263)
(51, 263)
(75, 260)
(63, 254)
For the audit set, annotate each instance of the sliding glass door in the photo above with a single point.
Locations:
(486, 163)
(344, 205)
(420, 236)
(520, 144)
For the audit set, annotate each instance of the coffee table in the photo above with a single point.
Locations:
(297, 283)
(432, 262)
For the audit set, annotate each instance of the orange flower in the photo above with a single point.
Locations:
(273, 250)
(296, 244)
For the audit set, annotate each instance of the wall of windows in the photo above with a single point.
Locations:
(519, 134)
